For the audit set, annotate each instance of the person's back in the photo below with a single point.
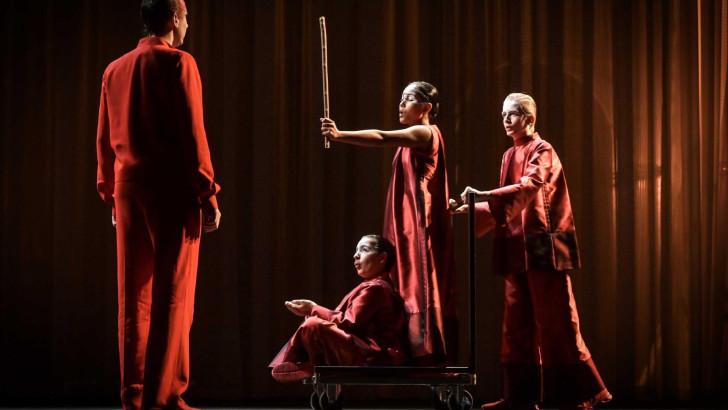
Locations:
(154, 116)
(155, 172)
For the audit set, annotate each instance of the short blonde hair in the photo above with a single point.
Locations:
(526, 104)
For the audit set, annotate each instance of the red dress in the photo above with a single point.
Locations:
(154, 168)
(417, 221)
(365, 328)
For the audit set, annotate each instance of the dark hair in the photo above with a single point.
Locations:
(156, 13)
(382, 244)
(427, 93)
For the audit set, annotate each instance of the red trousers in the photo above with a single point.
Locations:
(542, 349)
(318, 341)
(157, 237)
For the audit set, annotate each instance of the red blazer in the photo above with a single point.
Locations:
(533, 220)
(150, 127)
(373, 313)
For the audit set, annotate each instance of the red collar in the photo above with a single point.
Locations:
(152, 41)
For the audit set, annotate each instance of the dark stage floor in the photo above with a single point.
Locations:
(353, 406)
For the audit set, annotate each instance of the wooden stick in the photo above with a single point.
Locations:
(325, 72)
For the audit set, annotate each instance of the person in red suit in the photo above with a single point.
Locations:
(417, 221)
(154, 170)
(535, 249)
(366, 328)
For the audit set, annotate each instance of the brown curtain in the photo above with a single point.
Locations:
(633, 95)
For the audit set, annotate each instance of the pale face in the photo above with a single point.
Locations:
(516, 124)
(368, 262)
(411, 112)
(180, 27)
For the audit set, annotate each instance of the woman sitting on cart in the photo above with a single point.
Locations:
(367, 328)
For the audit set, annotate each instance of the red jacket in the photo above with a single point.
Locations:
(373, 313)
(150, 127)
(533, 220)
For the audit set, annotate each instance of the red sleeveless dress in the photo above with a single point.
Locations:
(417, 221)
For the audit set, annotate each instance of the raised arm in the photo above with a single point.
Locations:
(416, 136)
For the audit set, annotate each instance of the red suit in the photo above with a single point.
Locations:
(535, 247)
(417, 222)
(154, 168)
(367, 328)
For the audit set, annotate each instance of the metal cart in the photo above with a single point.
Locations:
(447, 383)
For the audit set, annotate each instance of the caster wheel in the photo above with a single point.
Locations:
(440, 398)
(465, 403)
(314, 401)
(326, 404)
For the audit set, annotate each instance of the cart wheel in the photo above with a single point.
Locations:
(465, 403)
(313, 401)
(325, 404)
(440, 398)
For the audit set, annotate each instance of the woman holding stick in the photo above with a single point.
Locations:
(417, 221)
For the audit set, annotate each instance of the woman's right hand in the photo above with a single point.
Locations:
(300, 307)
(328, 128)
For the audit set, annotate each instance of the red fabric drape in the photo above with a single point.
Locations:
(417, 222)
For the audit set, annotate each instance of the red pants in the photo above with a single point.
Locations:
(542, 349)
(157, 239)
(319, 342)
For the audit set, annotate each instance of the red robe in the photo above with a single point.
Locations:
(417, 221)
(535, 228)
(534, 248)
(154, 168)
(367, 327)
(151, 127)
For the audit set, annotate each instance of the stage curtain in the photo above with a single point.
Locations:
(632, 94)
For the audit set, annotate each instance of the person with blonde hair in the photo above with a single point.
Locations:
(543, 355)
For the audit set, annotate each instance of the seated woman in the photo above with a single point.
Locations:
(367, 328)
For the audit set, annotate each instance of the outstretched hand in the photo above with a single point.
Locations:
(300, 307)
(328, 128)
